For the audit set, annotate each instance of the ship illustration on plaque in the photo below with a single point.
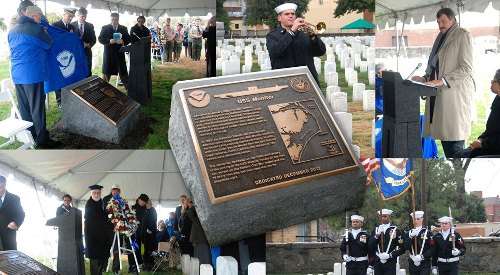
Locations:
(299, 125)
(252, 91)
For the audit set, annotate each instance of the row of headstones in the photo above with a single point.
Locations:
(225, 265)
(340, 269)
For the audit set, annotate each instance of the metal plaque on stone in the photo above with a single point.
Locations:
(266, 134)
(271, 132)
(105, 99)
(13, 262)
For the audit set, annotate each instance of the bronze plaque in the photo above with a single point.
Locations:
(105, 99)
(258, 135)
(13, 262)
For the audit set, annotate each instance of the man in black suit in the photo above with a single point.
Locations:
(65, 24)
(11, 217)
(114, 60)
(87, 34)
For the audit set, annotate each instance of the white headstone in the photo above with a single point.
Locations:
(257, 268)
(332, 79)
(329, 50)
(234, 58)
(330, 67)
(369, 100)
(347, 74)
(230, 67)
(344, 268)
(259, 57)
(226, 265)
(330, 58)
(337, 269)
(357, 91)
(185, 260)
(363, 66)
(206, 269)
(258, 48)
(349, 62)
(353, 78)
(329, 91)
(219, 43)
(339, 101)
(194, 266)
(357, 153)
(371, 77)
(344, 121)
(370, 53)
(317, 64)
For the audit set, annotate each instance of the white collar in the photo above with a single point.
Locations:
(3, 196)
(445, 233)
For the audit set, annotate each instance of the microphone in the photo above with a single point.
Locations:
(418, 66)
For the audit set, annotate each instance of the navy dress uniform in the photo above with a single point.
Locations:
(354, 249)
(292, 49)
(420, 258)
(387, 243)
(446, 257)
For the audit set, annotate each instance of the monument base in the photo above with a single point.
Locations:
(401, 139)
(81, 118)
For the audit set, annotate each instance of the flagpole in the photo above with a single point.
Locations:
(413, 207)
(380, 202)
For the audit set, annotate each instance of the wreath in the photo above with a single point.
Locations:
(122, 216)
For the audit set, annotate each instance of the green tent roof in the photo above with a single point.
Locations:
(359, 24)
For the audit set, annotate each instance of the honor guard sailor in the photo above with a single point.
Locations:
(354, 247)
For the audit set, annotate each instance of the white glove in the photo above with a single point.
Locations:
(413, 233)
(369, 270)
(434, 270)
(346, 258)
(455, 252)
(412, 257)
(378, 230)
(383, 256)
(417, 259)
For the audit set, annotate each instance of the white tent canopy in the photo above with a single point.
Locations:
(153, 8)
(152, 172)
(424, 11)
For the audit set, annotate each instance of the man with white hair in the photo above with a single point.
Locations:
(421, 246)
(288, 47)
(11, 217)
(449, 247)
(387, 244)
(354, 247)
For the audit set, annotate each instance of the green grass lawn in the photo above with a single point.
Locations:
(164, 77)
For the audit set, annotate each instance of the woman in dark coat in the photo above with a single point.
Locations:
(149, 235)
(210, 44)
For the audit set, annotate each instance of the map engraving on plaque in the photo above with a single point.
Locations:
(259, 135)
(105, 99)
(300, 127)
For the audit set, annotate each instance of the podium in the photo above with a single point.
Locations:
(70, 247)
(401, 136)
(139, 81)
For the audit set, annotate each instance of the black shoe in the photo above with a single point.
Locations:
(59, 105)
(51, 144)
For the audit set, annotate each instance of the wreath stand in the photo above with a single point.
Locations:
(116, 239)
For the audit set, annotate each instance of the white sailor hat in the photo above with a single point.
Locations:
(284, 7)
(357, 217)
(71, 10)
(418, 214)
(445, 219)
(385, 212)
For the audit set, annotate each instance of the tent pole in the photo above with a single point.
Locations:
(397, 42)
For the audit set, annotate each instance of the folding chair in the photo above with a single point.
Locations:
(14, 127)
(161, 255)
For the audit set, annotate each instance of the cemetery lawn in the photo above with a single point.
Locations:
(361, 120)
(151, 130)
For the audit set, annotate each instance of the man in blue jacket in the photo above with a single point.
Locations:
(28, 43)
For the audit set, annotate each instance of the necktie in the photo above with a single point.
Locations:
(81, 30)
(66, 25)
(1, 202)
(116, 28)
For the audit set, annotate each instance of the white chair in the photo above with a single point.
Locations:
(14, 127)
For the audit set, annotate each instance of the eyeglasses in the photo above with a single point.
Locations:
(140, 21)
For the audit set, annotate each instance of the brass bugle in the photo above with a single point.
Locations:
(313, 29)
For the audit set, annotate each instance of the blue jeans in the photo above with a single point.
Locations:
(450, 148)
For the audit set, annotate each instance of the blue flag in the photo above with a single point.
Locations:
(66, 59)
(395, 175)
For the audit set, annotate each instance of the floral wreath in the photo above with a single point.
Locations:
(122, 216)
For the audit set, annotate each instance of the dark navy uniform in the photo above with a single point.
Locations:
(425, 239)
(358, 251)
(378, 244)
(443, 257)
(288, 50)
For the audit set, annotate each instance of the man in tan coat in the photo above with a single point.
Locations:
(448, 116)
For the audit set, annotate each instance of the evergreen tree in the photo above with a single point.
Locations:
(347, 6)
(261, 12)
